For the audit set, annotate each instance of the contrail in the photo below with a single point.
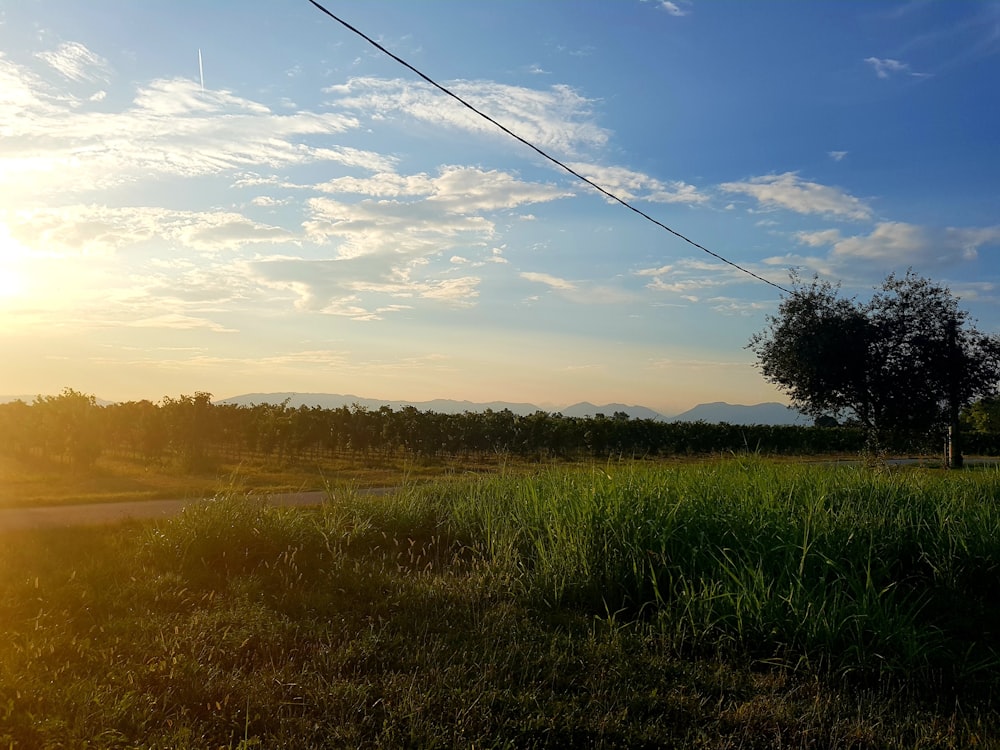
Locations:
(201, 70)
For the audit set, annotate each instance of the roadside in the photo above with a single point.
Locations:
(109, 513)
(104, 514)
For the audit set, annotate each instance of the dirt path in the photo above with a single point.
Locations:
(98, 514)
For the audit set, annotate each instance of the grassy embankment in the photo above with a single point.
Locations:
(730, 604)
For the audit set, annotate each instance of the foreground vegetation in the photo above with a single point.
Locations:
(729, 604)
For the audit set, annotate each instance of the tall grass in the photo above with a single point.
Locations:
(824, 569)
(843, 568)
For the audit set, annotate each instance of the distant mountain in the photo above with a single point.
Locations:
(719, 411)
(9, 399)
(769, 413)
(31, 399)
(336, 400)
(585, 409)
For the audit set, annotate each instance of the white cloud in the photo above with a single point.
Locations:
(837, 155)
(458, 292)
(456, 189)
(689, 277)
(23, 94)
(555, 118)
(551, 281)
(266, 201)
(93, 230)
(885, 67)
(373, 227)
(891, 241)
(578, 292)
(732, 306)
(465, 190)
(791, 192)
(227, 231)
(683, 286)
(630, 185)
(819, 238)
(899, 243)
(74, 61)
(672, 8)
(362, 288)
(51, 141)
(659, 271)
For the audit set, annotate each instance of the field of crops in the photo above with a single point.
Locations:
(733, 603)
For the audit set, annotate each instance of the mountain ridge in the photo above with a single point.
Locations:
(770, 412)
(718, 411)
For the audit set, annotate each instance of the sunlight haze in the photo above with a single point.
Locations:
(314, 217)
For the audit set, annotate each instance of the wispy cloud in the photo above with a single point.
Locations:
(689, 279)
(630, 185)
(580, 292)
(819, 238)
(363, 288)
(401, 228)
(556, 118)
(172, 129)
(672, 8)
(551, 281)
(886, 67)
(182, 322)
(455, 189)
(95, 230)
(837, 155)
(900, 243)
(74, 61)
(972, 34)
(734, 306)
(789, 191)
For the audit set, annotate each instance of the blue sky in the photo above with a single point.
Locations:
(312, 217)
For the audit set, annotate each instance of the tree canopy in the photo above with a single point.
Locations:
(904, 362)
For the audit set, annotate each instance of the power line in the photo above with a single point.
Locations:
(542, 153)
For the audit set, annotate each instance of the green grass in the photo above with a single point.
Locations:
(733, 604)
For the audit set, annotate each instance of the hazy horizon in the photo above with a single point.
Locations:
(194, 204)
(216, 398)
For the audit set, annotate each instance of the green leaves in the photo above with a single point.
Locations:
(903, 363)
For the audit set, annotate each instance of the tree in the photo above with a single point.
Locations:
(904, 363)
(190, 424)
(984, 415)
(73, 426)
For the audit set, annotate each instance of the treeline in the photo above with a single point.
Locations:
(73, 429)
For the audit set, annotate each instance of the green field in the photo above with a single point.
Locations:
(724, 604)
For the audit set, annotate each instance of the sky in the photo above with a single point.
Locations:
(248, 197)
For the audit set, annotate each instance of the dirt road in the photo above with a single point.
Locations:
(97, 514)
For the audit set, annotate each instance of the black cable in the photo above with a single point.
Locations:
(542, 153)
